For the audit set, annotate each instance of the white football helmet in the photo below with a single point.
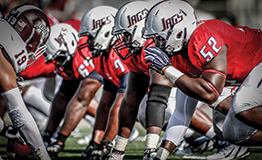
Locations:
(172, 23)
(97, 24)
(61, 46)
(129, 22)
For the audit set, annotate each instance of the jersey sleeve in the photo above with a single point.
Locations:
(82, 64)
(13, 47)
(203, 47)
(123, 83)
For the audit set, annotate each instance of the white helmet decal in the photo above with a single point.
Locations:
(60, 39)
(173, 20)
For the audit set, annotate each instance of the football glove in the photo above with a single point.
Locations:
(102, 151)
(54, 149)
(156, 59)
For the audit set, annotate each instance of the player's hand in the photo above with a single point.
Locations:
(97, 154)
(54, 149)
(156, 59)
(102, 151)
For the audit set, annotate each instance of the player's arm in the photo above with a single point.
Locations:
(21, 118)
(112, 120)
(206, 88)
(136, 90)
(210, 85)
(120, 91)
(78, 104)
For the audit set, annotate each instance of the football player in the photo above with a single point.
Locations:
(128, 25)
(40, 87)
(80, 83)
(97, 25)
(206, 57)
(24, 32)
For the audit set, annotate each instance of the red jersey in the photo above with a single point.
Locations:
(137, 62)
(110, 67)
(74, 23)
(82, 64)
(244, 48)
(38, 69)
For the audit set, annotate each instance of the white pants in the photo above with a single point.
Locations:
(249, 95)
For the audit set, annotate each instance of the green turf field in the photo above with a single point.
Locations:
(134, 151)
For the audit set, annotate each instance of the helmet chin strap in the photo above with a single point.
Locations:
(185, 38)
(169, 32)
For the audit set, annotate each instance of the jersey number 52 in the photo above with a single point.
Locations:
(209, 55)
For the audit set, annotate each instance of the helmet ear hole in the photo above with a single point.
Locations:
(107, 34)
(179, 35)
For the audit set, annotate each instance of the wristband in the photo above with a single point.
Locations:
(173, 74)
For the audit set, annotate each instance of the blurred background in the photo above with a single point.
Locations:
(235, 12)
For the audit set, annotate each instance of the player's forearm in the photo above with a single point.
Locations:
(112, 124)
(75, 112)
(24, 122)
(197, 88)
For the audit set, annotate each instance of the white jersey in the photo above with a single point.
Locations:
(14, 46)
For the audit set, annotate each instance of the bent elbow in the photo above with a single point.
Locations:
(210, 98)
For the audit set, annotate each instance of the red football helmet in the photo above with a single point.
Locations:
(32, 24)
